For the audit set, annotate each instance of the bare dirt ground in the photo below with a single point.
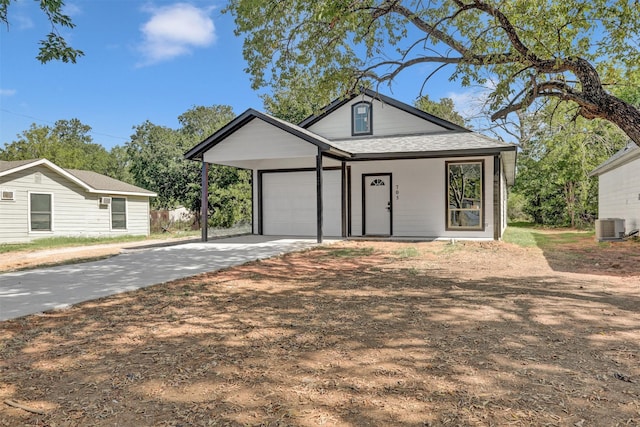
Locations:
(352, 334)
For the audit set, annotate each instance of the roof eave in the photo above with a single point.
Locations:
(606, 167)
(54, 168)
(309, 121)
(198, 151)
(432, 154)
(121, 193)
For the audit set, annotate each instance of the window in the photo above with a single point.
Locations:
(40, 212)
(361, 119)
(377, 183)
(465, 195)
(119, 213)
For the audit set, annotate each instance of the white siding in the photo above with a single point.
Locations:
(258, 140)
(386, 120)
(75, 212)
(418, 197)
(619, 194)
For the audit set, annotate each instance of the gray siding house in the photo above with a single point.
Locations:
(39, 199)
(619, 186)
(367, 166)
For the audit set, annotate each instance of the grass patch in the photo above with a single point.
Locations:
(520, 236)
(62, 242)
(350, 252)
(525, 235)
(410, 252)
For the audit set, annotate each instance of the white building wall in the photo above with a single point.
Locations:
(75, 212)
(418, 197)
(385, 120)
(258, 140)
(619, 194)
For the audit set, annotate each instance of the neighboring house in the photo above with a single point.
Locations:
(619, 186)
(39, 199)
(388, 170)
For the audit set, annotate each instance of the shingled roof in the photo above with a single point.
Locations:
(93, 182)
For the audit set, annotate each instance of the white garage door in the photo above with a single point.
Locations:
(289, 203)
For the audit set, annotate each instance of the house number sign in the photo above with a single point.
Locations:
(397, 192)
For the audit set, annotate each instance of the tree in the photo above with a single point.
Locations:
(303, 96)
(536, 48)
(68, 144)
(229, 188)
(54, 47)
(156, 162)
(555, 162)
(443, 109)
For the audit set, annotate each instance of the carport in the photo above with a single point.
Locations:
(279, 154)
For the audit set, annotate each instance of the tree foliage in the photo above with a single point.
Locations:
(68, 144)
(535, 48)
(54, 46)
(300, 98)
(444, 109)
(555, 162)
(156, 162)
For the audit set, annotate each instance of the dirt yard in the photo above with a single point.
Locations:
(353, 334)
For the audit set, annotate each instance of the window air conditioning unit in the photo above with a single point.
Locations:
(7, 195)
(609, 229)
(105, 200)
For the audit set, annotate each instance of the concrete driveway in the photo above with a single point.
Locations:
(34, 291)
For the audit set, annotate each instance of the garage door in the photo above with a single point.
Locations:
(289, 203)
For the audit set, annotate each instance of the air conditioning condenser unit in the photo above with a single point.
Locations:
(609, 229)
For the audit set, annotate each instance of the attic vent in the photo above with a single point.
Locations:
(105, 200)
(8, 195)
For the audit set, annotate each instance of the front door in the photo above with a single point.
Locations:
(376, 193)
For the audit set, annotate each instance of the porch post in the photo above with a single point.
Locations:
(343, 196)
(204, 208)
(497, 199)
(319, 193)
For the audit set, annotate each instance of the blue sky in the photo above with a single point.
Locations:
(144, 60)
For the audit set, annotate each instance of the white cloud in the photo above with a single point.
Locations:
(71, 9)
(175, 30)
(7, 92)
(469, 103)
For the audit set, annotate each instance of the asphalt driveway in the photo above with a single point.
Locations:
(35, 291)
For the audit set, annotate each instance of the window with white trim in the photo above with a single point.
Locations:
(118, 213)
(465, 195)
(40, 211)
(361, 118)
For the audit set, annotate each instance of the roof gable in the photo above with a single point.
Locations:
(92, 182)
(233, 126)
(385, 100)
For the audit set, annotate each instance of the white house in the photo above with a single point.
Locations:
(367, 166)
(619, 186)
(39, 199)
